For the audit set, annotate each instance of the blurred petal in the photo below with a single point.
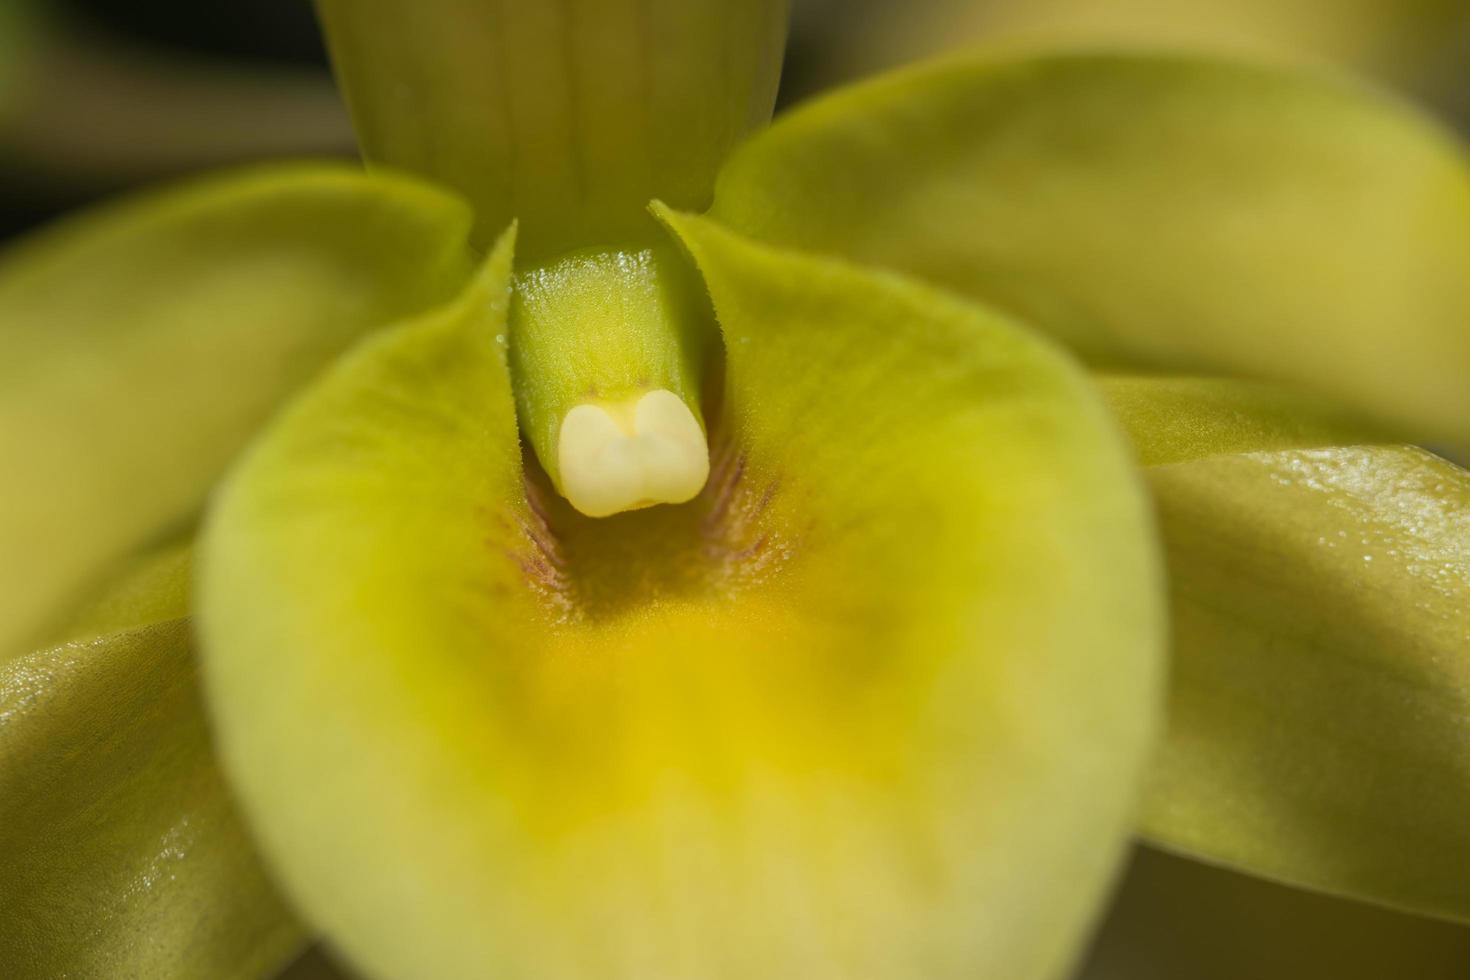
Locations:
(567, 116)
(1174, 419)
(120, 852)
(873, 703)
(1415, 44)
(145, 343)
(1150, 212)
(151, 587)
(1320, 707)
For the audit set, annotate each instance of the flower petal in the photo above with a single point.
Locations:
(1320, 705)
(566, 116)
(1176, 419)
(152, 587)
(1150, 212)
(1319, 708)
(120, 851)
(144, 344)
(873, 703)
(1410, 44)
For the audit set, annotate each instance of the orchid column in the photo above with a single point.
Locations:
(569, 118)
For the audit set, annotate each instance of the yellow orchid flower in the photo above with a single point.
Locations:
(609, 538)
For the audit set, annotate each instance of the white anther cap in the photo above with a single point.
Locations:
(617, 457)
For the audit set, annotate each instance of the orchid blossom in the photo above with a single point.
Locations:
(608, 537)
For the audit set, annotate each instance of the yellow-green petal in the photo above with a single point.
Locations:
(1320, 690)
(873, 704)
(1150, 211)
(120, 851)
(144, 343)
(1320, 683)
(1416, 45)
(1172, 419)
(152, 586)
(566, 116)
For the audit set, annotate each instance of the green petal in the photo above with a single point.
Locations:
(1150, 212)
(1321, 672)
(152, 587)
(120, 852)
(873, 704)
(1176, 419)
(566, 116)
(145, 343)
(1320, 703)
(1411, 44)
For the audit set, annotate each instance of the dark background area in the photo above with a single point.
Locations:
(257, 38)
(270, 31)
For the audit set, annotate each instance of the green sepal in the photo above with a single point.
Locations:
(152, 586)
(1176, 419)
(564, 116)
(1320, 681)
(1320, 688)
(146, 342)
(121, 854)
(1150, 212)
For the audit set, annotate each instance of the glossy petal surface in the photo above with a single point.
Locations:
(1150, 212)
(873, 703)
(1319, 709)
(120, 851)
(144, 344)
(1320, 704)
(566, 115)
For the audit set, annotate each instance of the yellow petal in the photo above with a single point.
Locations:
(873, 703)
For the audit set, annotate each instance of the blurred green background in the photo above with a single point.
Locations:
(100, 95)
(97, 96)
